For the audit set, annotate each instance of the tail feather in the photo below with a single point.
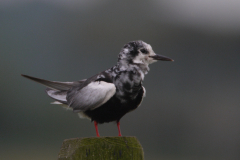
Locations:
(56, 90)
(59, 96)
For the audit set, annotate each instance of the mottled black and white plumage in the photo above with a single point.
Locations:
(109, 95)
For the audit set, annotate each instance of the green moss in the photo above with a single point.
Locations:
(102, 148)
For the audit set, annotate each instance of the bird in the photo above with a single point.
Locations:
(109, 95)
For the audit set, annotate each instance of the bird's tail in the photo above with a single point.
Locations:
(56, 90)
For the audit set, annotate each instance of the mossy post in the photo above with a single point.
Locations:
(101, 148)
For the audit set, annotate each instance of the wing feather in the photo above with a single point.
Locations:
(91, 96)
(54, 84)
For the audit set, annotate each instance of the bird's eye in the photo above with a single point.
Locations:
(144, 51)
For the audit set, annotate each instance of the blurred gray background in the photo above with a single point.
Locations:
(192, 107)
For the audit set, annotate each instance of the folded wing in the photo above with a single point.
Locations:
(91, 96)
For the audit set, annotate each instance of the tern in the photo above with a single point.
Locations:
(110, 94)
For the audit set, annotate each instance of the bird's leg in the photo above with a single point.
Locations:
(96, 127)
(119, 131)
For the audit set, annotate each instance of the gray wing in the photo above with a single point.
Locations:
(91, 95)
(54, 84)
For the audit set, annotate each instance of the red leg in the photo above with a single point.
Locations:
(119, 131)
(96, 127)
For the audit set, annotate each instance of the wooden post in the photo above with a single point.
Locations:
(101, 148)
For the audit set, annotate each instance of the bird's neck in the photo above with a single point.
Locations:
(126, 66)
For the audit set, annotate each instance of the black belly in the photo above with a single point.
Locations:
(114, 109)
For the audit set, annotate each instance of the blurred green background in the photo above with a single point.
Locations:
(192, 107)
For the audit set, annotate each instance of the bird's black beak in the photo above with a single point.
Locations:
(160, 57)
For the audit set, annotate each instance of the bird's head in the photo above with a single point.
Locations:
(139, 53)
